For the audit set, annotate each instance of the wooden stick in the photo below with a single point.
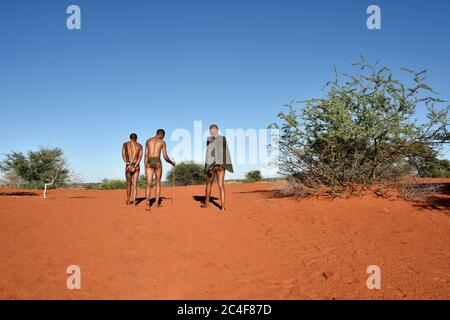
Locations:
(173, 181)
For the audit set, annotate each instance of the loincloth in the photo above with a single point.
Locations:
(214, 167)
(154, 162)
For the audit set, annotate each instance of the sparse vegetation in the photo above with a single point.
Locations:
(363, 132)
(412, 190)
(111, 184)
(35, 169)
(187, 173)
(253, 176)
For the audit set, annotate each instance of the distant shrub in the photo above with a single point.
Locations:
(142, 182)
(35, 168)
(111, 184)
(425, 162)
(440, 169)
(187, 173)
(254, 175)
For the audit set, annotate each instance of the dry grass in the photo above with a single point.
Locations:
(409, 189)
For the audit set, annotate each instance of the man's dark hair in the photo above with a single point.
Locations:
(160, 131)
(133, 136)
(214, 126)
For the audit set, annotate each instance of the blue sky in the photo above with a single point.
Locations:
(171, 63)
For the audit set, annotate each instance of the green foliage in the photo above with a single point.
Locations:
(363, 130)
(425, 162)
(439, 169)
(111, 184)
(142, 182)
(253, 175)
(36, 168)
(187, 173)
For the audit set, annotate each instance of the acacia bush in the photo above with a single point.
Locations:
(46, 165)
(187, 173)
(253, 176)
(362, 131)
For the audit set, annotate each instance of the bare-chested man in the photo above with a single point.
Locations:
(153, 164)
(132, 155)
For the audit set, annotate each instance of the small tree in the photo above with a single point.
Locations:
(38, 167)
(363, 130)
(253, 175)
(187, 173)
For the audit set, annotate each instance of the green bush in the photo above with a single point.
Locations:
(362, 132)
(439, 169)
(36, 168)
(187, 173)
(111, 184)
(425, 162)
(253, 175)
(142, 182)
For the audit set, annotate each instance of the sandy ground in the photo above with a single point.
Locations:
(261, 248)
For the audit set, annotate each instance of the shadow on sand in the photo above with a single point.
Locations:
(440, 200)
(268, 193)
(19, 194)
(263, 191)
(436, 200)
(152, 200)
(80, 197)
(212, 200)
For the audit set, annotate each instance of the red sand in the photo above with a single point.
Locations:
(261, 248)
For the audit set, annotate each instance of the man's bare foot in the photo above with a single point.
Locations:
(148, 208)
(127, 203)
(135, 203)
(204, 205)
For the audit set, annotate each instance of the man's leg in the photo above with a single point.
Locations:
(128, 177)
(135, 185)
(158, 174)
(221, 184)
(148, 190)
(209, 182)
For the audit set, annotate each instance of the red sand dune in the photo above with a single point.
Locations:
(261, 248)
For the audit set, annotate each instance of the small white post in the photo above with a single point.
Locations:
(45, 188)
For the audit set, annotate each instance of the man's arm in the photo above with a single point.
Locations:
(139, 158)
(146, 155)
(164, 151)
(124, 157)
